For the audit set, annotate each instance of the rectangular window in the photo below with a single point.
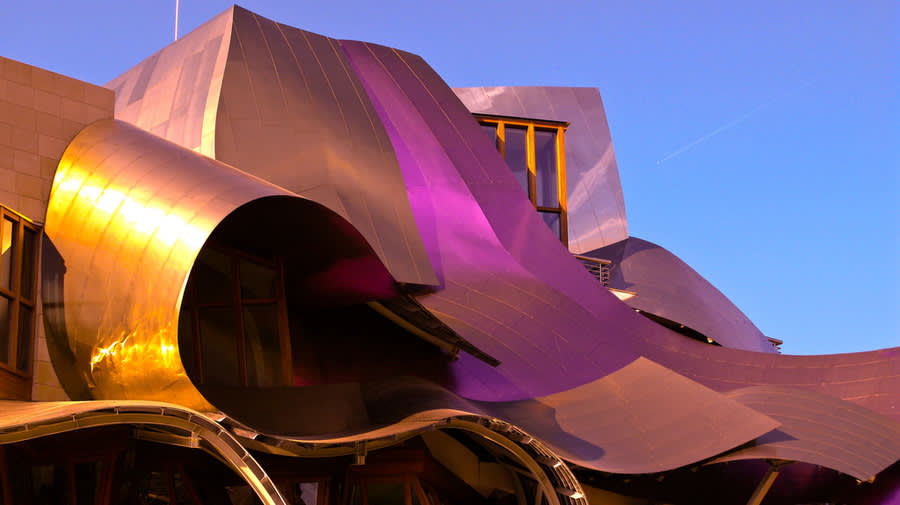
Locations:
(234, 315)
(534, 150)
(18, 257)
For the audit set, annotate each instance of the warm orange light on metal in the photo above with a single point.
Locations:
(128, 215)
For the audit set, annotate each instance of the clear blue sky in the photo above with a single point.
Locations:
(756, 140)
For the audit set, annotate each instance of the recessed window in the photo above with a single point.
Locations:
(234, 318)
(535, 152)
(18, 257)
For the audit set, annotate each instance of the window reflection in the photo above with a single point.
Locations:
(516, 152)
(546, 178)
(229, 326)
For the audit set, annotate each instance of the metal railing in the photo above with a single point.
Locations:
(597, 267)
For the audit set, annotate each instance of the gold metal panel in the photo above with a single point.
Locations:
(128, 215)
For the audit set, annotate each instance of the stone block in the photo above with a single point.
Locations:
(26, 162)
(29, 186)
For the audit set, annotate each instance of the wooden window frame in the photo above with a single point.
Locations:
(237, 302)
(501, 122)
(15, 295)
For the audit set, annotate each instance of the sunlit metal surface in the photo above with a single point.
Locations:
(596, 207)
(282, 104)
(128, 215)
(667, 287)
(20, 421)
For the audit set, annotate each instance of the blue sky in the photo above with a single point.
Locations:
(758, 141)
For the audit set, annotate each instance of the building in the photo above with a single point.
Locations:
(264, 264)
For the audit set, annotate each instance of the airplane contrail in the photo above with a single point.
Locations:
(728, 125)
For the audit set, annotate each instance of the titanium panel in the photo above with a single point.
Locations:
(668, 287)
(596, 207)
(642, 418)
(821, 430)
(175, 92)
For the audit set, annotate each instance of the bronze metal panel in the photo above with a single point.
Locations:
(821, 430)
(596, 207)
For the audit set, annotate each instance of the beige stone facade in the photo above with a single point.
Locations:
(40, 113)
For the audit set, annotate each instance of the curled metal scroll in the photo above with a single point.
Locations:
(128, 214)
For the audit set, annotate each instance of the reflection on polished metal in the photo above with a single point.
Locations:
(20, 421)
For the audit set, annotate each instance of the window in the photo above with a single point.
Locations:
(18, 259)
(535, 152)
(235, 320)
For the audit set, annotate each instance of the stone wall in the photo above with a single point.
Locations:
(40, 113)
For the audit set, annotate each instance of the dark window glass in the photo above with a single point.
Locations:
(28, 246)
(23, 346)
(218, 344)
(213, 276)
(491, 131)
(7, 252)
(5, 308)
(263, 345)
(257, 281)
(552, 220)
(546, 181)
(517, 153)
